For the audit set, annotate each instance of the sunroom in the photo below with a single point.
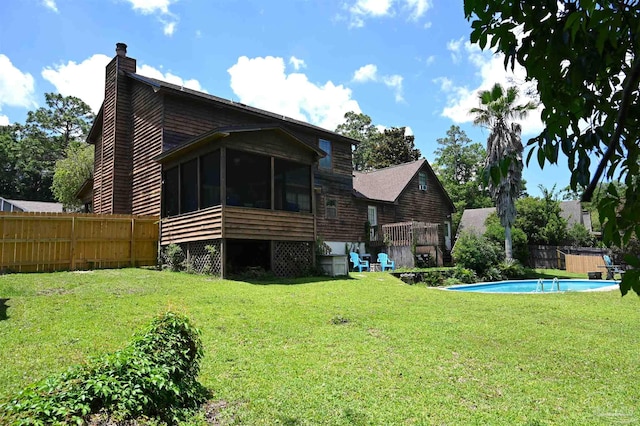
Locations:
(240, 199)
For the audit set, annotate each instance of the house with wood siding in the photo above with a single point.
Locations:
(259, 187)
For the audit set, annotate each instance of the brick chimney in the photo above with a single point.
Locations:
(113, 165)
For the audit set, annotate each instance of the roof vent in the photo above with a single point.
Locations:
(121, 49)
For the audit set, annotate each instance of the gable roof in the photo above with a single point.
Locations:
(36, 206)
(388, 184)
(222, 132)
(159, 85)
(473, 219)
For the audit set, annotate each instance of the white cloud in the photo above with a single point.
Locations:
(369, 73)
(430, 60)
(168, 27)
(360, 10)
(394, 82)
(297, 63)
(408, 131)
(4, 120)
(490, 70)
(148, 7)
(85, 80)
(417, 8)
(50, 4)
(16, 88)
(263, 83)
(366, 73)
(149, 71)
(454, 46)
(427, 25)
(160, 8)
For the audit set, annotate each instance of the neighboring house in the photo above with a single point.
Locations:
(258, 187)
(7, 205)
(473, 220)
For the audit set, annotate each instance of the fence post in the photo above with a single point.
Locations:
(73, 244)
(133, 242)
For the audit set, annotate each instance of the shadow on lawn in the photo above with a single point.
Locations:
(287, 281)
(3, 309)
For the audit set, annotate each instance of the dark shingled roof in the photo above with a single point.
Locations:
(183, 91)
(387, 184)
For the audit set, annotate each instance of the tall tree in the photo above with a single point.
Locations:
(65, 118)
(394, 147)
(584, 57)
(71, 172)
(458, 163)
(29, 152)
(504, 151)
(377, 149)
(358, 126)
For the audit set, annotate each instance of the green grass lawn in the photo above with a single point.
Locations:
(365, 350)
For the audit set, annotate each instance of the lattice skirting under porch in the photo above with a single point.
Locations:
(292, 258)
(199, 260)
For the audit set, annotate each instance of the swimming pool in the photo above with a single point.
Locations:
(537, 286)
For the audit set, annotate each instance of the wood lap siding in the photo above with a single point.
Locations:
(239, 223)
(195, 226)
(97, 175)
(243, 223)
(147, 143)
(186, 118)
(337, 184)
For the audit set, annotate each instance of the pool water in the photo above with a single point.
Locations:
(534, 286)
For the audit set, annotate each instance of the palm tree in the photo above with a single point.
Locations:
(504, 151)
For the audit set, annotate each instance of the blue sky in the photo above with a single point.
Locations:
(402, 62)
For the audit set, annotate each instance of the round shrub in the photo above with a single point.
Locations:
(465, 275)
(512, 269)
(476, 252)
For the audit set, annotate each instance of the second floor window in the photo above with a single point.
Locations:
(331, 208)
(422, 181)
(326, 162)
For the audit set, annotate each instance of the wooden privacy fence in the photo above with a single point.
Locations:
(35, 242)
(582, 264)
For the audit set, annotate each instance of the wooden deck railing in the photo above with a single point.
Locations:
(406, 234)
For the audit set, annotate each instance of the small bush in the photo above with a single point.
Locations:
(492, 274)
(452, 281)
(476, 252)
(465, 275)
(512, 269)
(174, 257)
(155, 376)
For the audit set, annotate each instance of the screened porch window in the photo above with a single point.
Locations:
(189, 186)
(170, 179)
(248, 180)
(210, 180)
(292, 186)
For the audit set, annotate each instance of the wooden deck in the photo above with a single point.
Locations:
(406, 234)
(238, 223)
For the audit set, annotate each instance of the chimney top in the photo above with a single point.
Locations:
(121, 49)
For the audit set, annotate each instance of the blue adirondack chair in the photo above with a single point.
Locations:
(611, 268)
(385, 262)
(358, 263)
